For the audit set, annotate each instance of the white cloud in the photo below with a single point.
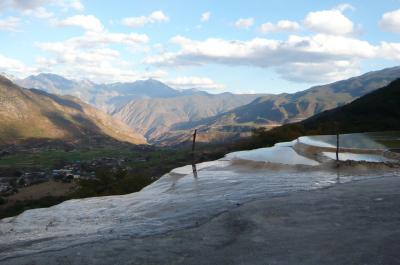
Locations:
(96, 64)
(205, 16)
(39, 12)
(244, 23)
(76, 5)
(90, 39)
(38, 7)
(390, 21)
(75, 56)
(319, 72)
(13, 66)
(10, 23)
(23, 4)
(87, 22)
(390, 50)
(343, 7)
(155, 17)
(282, 25)
(107, 73)
(90, 47)
(89, 56)
(329, 22)
(195, 82)
(262, 52)
(314, 58)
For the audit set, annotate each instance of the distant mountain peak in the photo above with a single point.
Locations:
(152, 81)
(50, 76)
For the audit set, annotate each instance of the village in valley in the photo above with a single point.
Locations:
(62, 167)
(68, 173)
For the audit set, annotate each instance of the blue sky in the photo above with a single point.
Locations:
(238, 46)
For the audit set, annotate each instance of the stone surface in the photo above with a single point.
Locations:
(352, 223)
(249, 208)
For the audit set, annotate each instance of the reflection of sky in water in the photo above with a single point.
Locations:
(355, 140)
(277, 154)
(316, 141)
(357, 157)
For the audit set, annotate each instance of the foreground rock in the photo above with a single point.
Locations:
(353, 223)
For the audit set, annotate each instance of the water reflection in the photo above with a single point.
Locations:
(380, 141)
(194, 168)
(338, 175)
(357, 157)
(278, 154)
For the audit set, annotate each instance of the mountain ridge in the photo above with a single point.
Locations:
(137, 103)
(274, 110)
(376, 111)
(168, 116)
(35, 114)
(106, 96)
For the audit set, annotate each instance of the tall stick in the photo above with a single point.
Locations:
(337, 145)
(194, 141)
(194, 168)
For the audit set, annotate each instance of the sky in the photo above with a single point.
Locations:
(252, 46)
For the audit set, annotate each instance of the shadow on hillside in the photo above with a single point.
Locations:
(9, 133)
(60, 100)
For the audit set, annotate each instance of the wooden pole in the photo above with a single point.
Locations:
(193, 156)
(194, 141)
(337, 145)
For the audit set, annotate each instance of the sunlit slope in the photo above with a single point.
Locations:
(34, 114)
(374, 112)
(285, 108)
(272, 110)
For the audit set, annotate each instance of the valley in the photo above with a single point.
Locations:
(101, 154)
(167, 116)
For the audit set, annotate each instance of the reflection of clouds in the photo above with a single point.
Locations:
(355, 140)
(338, 175)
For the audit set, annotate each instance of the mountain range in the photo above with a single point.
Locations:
(168, 116)
(156, 116)
(274, 110)
(148, 106)
(27, 114)
(373, 112)
(108, 97)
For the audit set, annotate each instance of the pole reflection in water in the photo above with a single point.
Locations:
(194, 168)
(338, 175)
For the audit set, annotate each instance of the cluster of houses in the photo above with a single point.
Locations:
(5, 188)
(68, 173)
